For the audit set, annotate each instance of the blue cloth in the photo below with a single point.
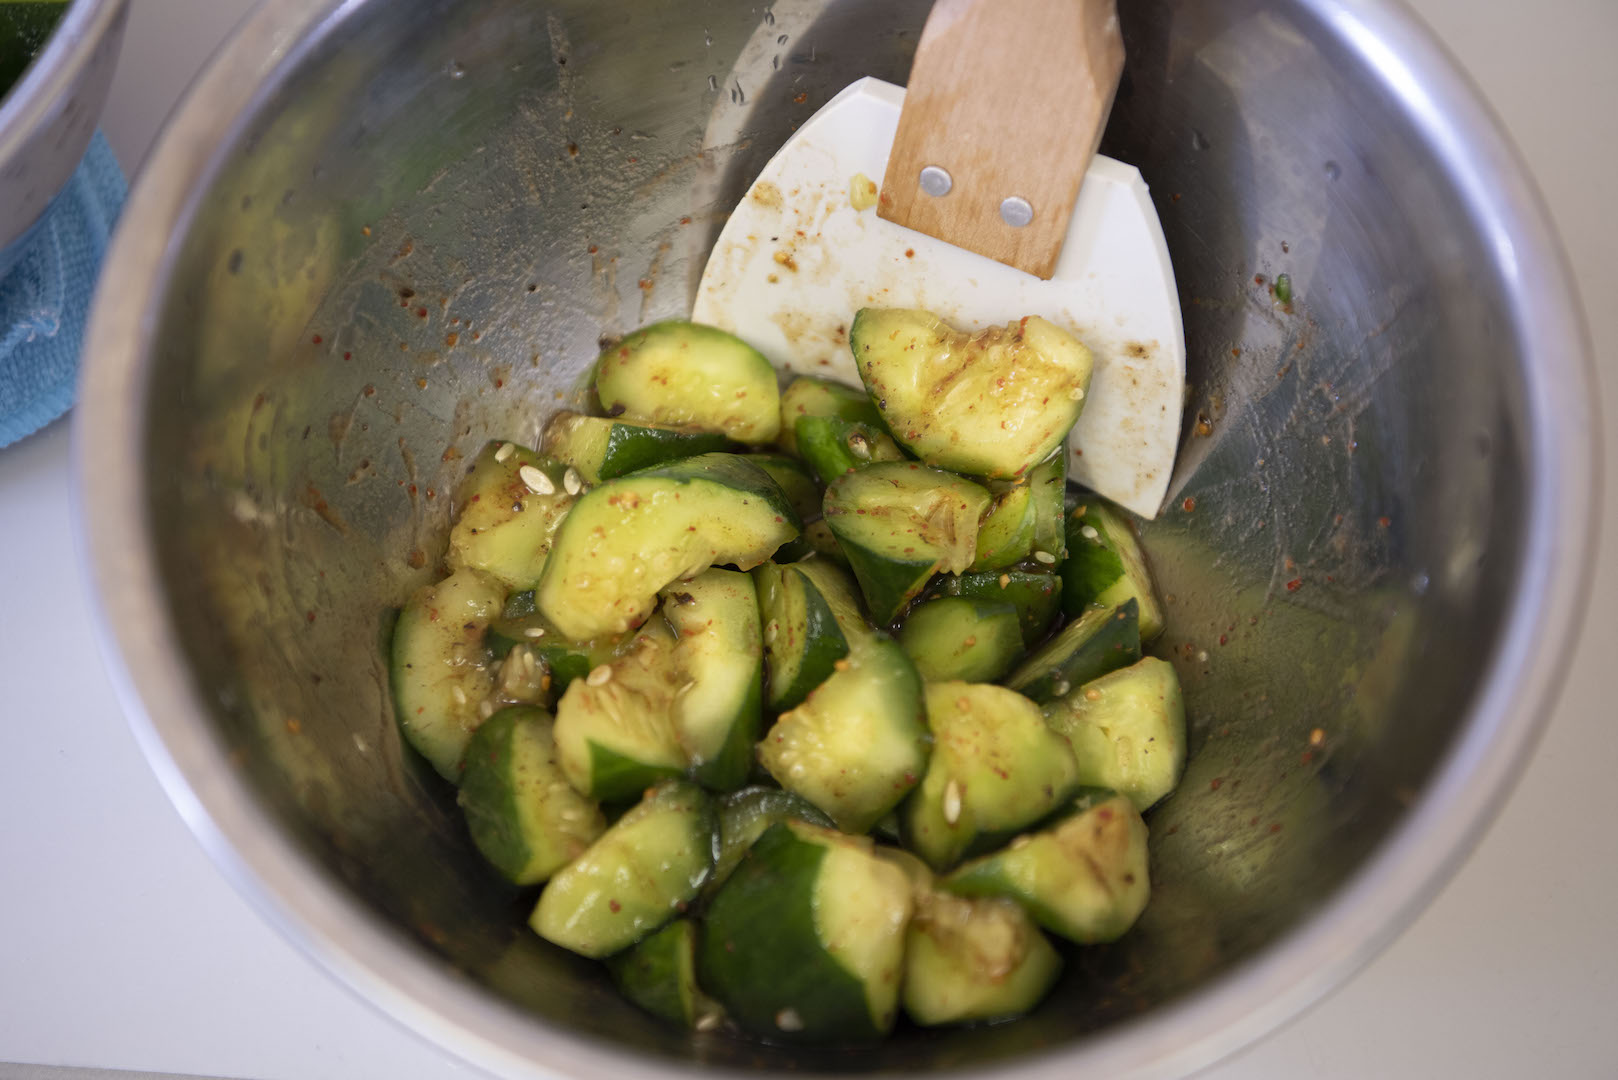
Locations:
(45, 296)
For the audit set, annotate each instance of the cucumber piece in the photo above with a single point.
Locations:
(1006, 533)
(639, 874)
(995, 768)
(1035, 593)
(809, 396)
(842, 596)
(801, 637)
(512, 503)
(1105, 565)
(519, 625)
(604, 449)
(823, 542)
(805, 942)
(627, 538)
(974, 959)
(833, 446)
(1099, 641)
(1127, 730)
(719, 654)
(523, 815)
(1083, 878)
(439, 666)
(795, 480)
(615, 734)
(684, 375)
(899, 523)
(745, 814)
(660, 975)
(959, 637)
(859, 742)
(994, 403)
(1048, 482)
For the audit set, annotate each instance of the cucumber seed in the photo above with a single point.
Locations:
(600, 676)
(1045, 557)
(505, 452)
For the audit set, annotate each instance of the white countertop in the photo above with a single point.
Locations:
(124, 949)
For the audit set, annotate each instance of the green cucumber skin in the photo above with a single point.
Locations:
(1036, 594)
(795, 480)
(1108, 567)
(827, 444)
(760, 952)
(1049, 484)
(744, 816)
(719, 649)
(935, 632)
(809, 396)
(822, 643)
(627, 447)
(1090, 570)
(617, 779)
(1074, 657)
(658, 973)
(1006, 534)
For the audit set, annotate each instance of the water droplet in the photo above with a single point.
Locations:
(1333, 170)
(1199, 141)
(455, 70)
(769, 17)
(782, 40)
(707, 38)
(713, 82)
(1419, 583)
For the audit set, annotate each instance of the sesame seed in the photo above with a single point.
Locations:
(534, 632)
(505, 452)
(485, 708)
(1045, 557)
(1089, 532)
(572, 481)
(1061, 688)
(789, 1020)
(458, 694)
(536, 481)
(1005, 580)
(952, 802)
(771, 632)
(600, 676)
(706, 1022)
(1316, 737)
(1077, 393)
(1203, 656)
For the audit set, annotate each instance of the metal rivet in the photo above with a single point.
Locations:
(1016, 212)
(935, 181)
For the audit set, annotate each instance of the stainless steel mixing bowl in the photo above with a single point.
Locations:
(46, 120)
(378, 233)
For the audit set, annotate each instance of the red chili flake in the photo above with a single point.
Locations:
(1175, 197)
(685, 220)
(910, 253)
(1295, 584)
(646, 284)
(451, 339)
(1384, 522)
(1258, 279)
(317, 339)
(1306, 757)
(593, 249)
(1236, 352)
(309, 615)
(800, 98)
(1275, 828)
(1222, 639)
(615, 906)
(1213, 785)
(421, 384)
(369, 390)
(572, 149)
(1189, 504)
(421, 313)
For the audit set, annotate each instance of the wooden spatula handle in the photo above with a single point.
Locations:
(1007, 99)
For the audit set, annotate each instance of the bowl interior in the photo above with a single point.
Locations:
(419, 234)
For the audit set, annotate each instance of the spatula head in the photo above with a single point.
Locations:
(796, 260)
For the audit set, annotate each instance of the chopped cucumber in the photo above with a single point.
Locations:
(660, 975)
(842, 596)
(1127, 730)
(615, 733)
(899, 523)
(805, 942)
(523, 815)
(995, 768)
(974, 959)
(823, 542)
(745, 814)
(1048, 481)
(1106, 566)
(809, 396)
(512, 503)
(639, 874)
(719, 654)
(801, 637)
(994, 403)
(439, 665)
(684, 375)
(629, 537)
(603, 449)
(833, 446)
(859, 742)
(1099, 641)
(1083, 878)
(959, 637)
(1036, 594)
(519, 625)
(1006, 533)
(795, 481)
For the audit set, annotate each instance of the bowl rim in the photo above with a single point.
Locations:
(422, 992)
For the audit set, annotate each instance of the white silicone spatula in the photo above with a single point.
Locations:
(993, 205)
